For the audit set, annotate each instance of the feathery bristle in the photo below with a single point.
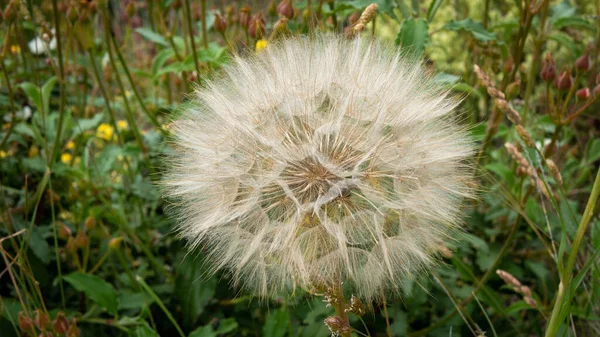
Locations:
(322, 160)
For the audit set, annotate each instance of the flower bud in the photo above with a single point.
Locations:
(597, 91)
(583, 63)
(280, 28)
(60, 324)
(73, 330)
(25, 323)
(81, 240)
(245, 17)
(548, 72)
(256, 29)
(220, 24)
(90, 222)
(10, 11)
(130, 10)
(72, 14)
(583, 93)
(353, 18)
(564, 81)
(41, 320)
(115, 243)
(286, 9)
(71, 245)
(64, 232)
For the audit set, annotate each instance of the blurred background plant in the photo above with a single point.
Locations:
(87, 91)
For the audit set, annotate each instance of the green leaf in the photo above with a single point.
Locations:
(445, 78)
(567, 41)
(143, 331)
(226, 325)
(39, 246)
(149, 34)
(475, 28)
(160, 59)
(276, 324)
(413, 36)
(573, 21)
(432, 9)
(593, 151)
(33, 93)
(98, 290)
(85, 124)
(40, 98)
(192, 288)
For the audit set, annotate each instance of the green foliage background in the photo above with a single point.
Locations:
(87, 249)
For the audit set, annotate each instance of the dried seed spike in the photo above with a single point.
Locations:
(367, 16)
(525, 136)
(554, 171)
(509, 278)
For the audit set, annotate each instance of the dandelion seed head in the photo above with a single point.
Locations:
(319, 161)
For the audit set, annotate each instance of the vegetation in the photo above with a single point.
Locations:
(88, 92)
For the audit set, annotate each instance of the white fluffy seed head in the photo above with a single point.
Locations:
(317, 162)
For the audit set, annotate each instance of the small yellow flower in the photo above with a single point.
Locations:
(128, 93)
(2, 154)
(70, 145)
(66, 158)
(104, 131)
(122, 124)
(34, 151)
(77, 161)
(260, 45)
(15, 49)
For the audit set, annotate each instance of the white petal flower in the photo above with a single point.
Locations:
(320, 161)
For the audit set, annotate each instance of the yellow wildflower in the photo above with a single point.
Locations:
(2, 154)
(66, 158)
(70, 145)
(77, 161)
(122, 124)
(260, 45)
(104, 131)
(15, 49)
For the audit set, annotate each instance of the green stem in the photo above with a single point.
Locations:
(160, 304)
(61, 83)
(188, 20)
(562, 300)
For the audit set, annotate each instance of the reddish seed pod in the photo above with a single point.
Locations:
(220, 24)
(41, 319)
(583, 93)
(548, 72)
(286, 9)
(583, 63)
(90, 222)
(25, 323)
(564, 81)
(257, 27)
(597, 90)
(60, 323)
(245, 17)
